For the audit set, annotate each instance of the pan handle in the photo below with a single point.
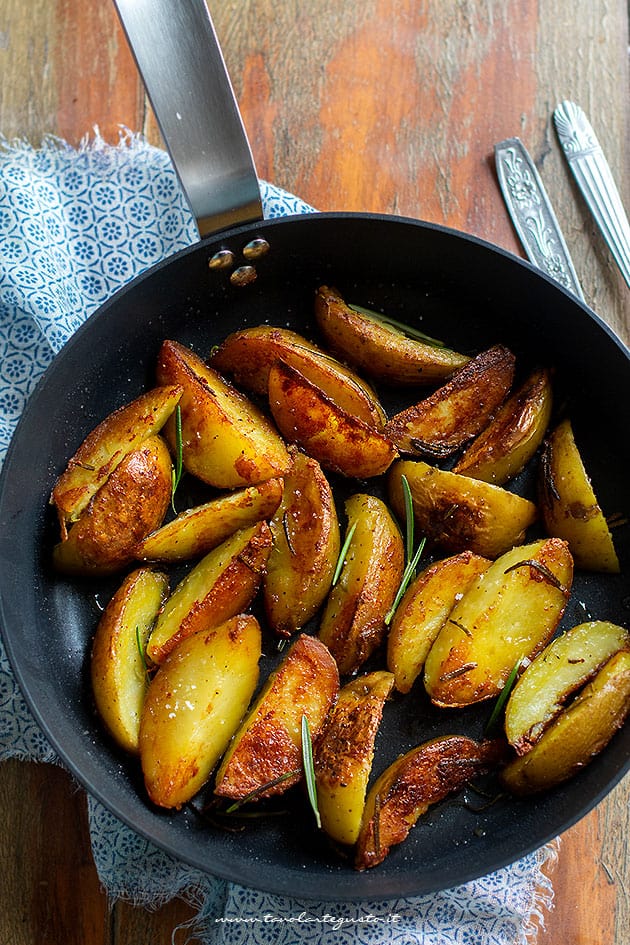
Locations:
(178, 56)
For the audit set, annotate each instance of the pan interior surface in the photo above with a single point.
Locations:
(452, 287)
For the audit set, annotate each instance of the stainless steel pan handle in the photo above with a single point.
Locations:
(178, 55)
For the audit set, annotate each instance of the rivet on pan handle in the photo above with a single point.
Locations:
(180, 61)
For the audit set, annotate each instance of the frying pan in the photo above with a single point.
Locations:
(455, 287)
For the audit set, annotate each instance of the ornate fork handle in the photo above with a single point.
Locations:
(594, 178)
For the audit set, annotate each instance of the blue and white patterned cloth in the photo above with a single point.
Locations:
(76, 225)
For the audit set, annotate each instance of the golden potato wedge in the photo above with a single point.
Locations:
(194, 705)
(423, 611)
(249, 354)
(458, 513)
(130, 504)
(378, 349)
(226, 440)
(509, 613)
(106, 446)
(404, 791)
(305, 548)
(353, 622)
(344, 752)
(198, 530)
(456, 412)
(117, 666)
(339, 441)
(265, 755)
(568, 504)
(508, 443)
(563, 667)
(578, 734)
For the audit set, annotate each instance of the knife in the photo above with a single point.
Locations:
(594, 178)
(532, 214)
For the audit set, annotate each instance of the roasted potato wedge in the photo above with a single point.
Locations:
(578, 734)
(220, 586)
(305, 548)
(562, 668)
(568, 504)
(118, 670)
(511, 439)
(378, 349)
(265, 755)
(226, 440)
(458, 513)
(456, 412)
(198, 530)
(106, 446)
(508, 614)
(344, 752)
(194, 705)
(249, 354)
(353, 622)
(423, 611)
(404, 791)
(130, 504)
(305, 415)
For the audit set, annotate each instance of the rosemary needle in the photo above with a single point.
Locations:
(309, 769)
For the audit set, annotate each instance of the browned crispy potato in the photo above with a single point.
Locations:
(249, 354)
(118, 670)
(343, 754)
(220, 586)
(106, 446)
(226, 440)
(305, 548)
(380, 350)
(508, 614)
(423, 611)
(353, 622)
(563, 667)
(568, 504)
(340, 442)
(456, 412)
(459, 513)
(194, 705)
(265, 755)
(404, 791)
(578, 734)
(508, 443)
(130, 504)
(197, 531)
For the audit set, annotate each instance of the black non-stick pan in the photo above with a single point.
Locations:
(454, 287)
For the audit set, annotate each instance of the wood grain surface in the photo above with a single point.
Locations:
(382, 106)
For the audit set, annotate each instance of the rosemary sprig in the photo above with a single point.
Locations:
(412, 559)
(309, 768)
(543, 570)
(503, 697)
(260, 790)
(143, 656)
(179, 452)
(402, 327)
(341, 560)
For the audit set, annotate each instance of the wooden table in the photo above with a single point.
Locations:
(383, 105)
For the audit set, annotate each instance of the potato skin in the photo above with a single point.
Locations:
(406, 789)
(305, 548)
(353, 622)
(344, 751)
(578, 734)
(378, 350)
(569, 506)
(509, 613)
(194, 704)
(131, 504)
(341, 442)
(118, 672)
(106, 446)
(458, 513)
(227, 441)
(453, 414)
(268, 745)
(423, 611)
